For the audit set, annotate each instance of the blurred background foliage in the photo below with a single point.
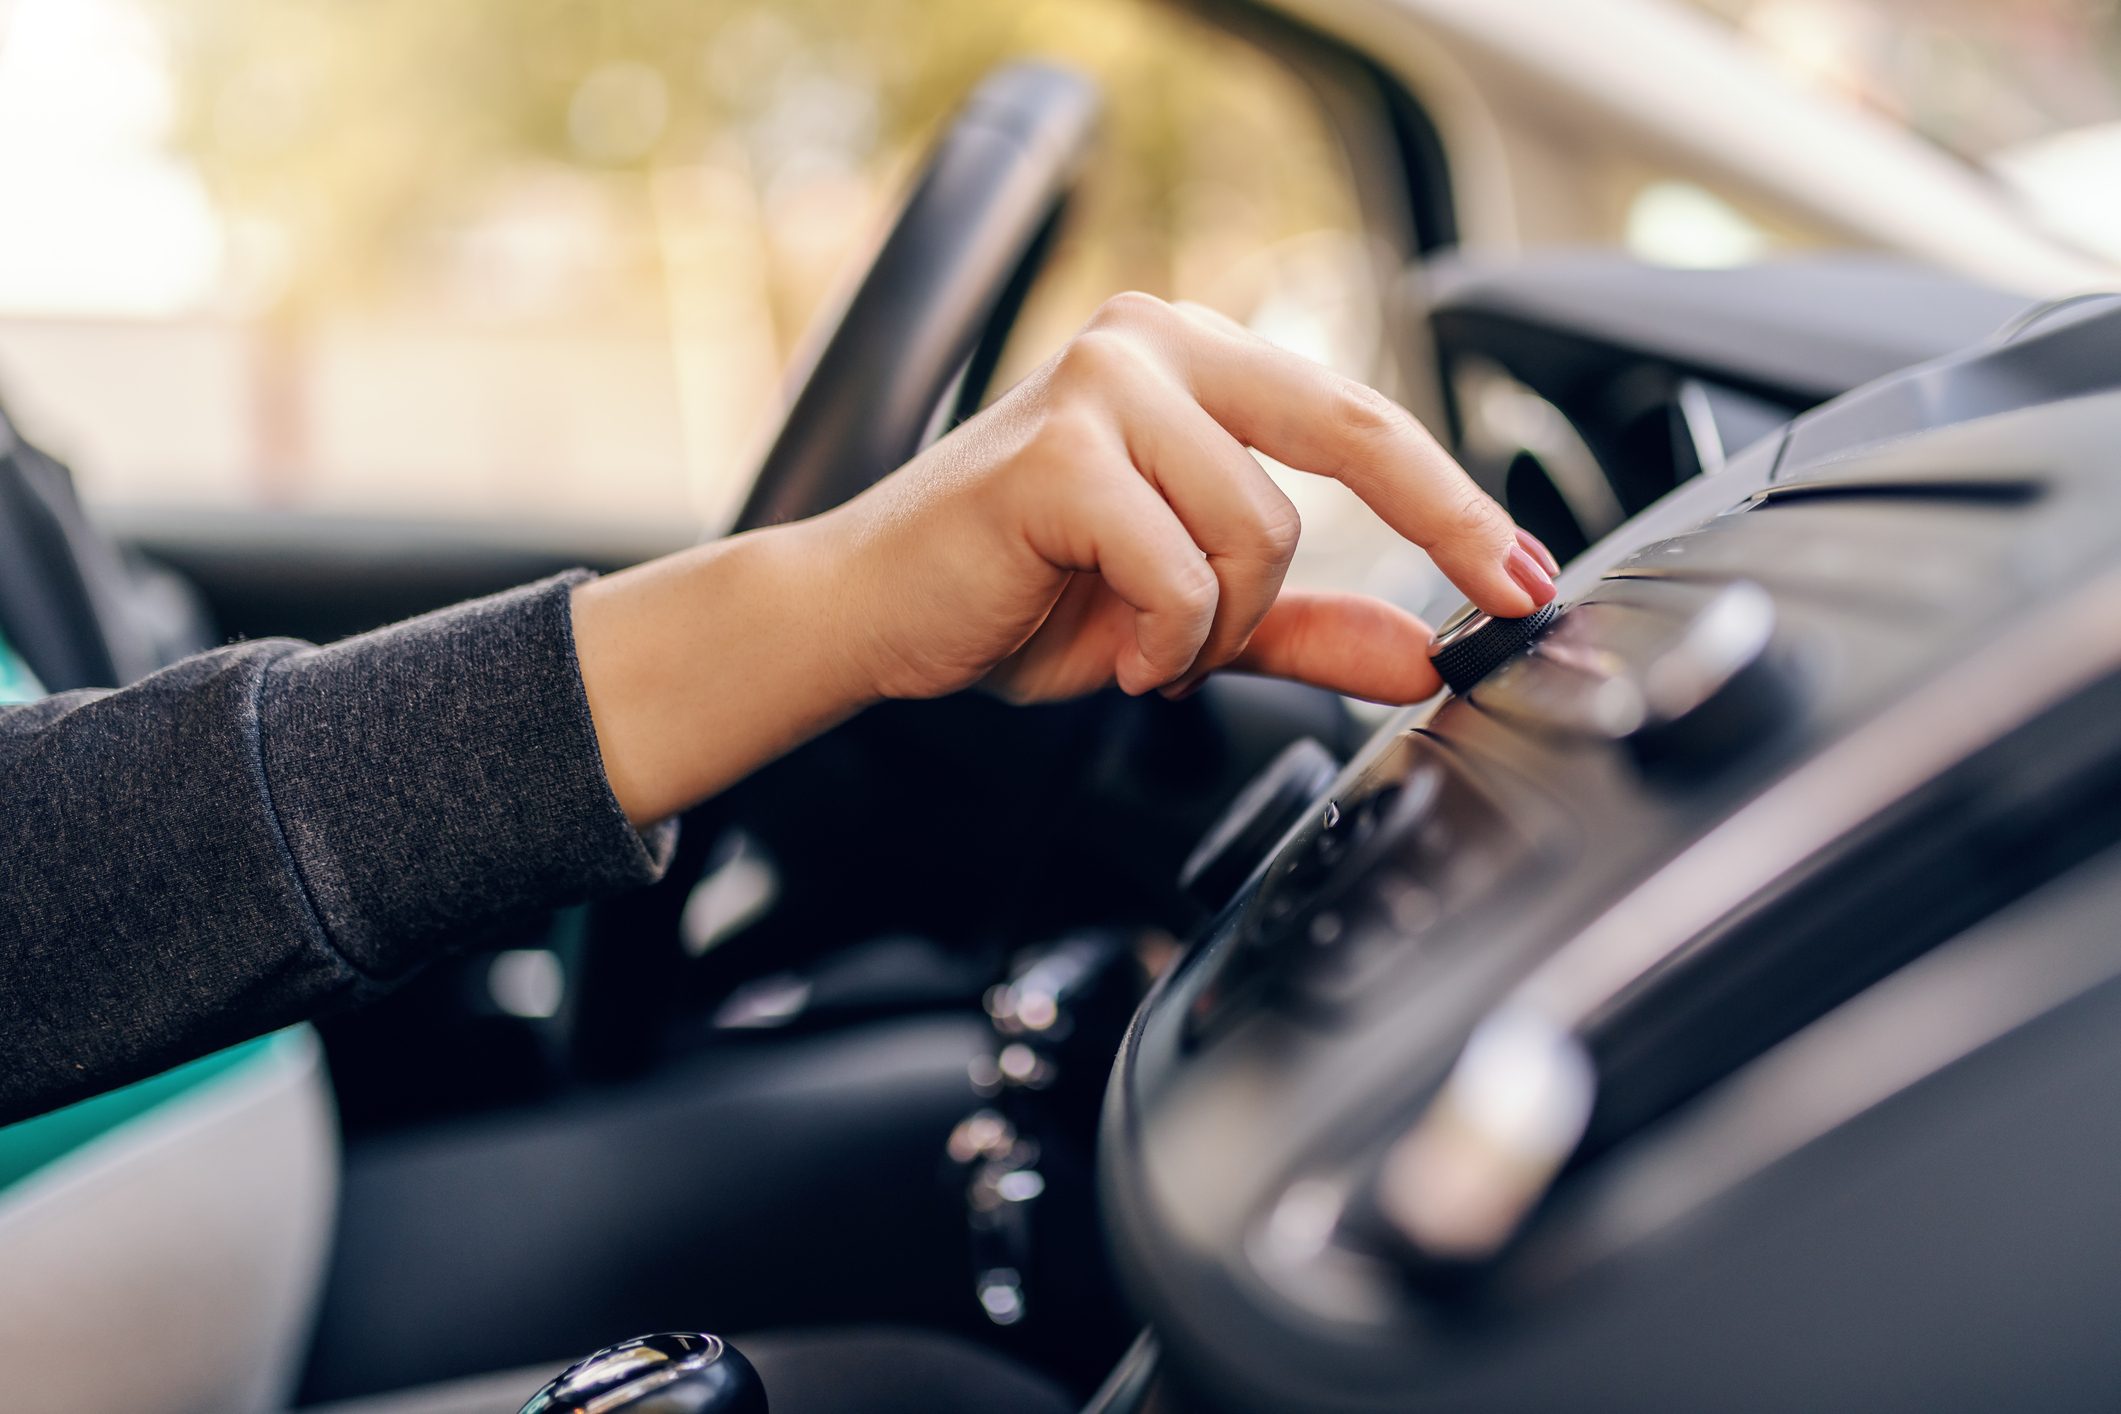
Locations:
(517, 156)
(547, 258)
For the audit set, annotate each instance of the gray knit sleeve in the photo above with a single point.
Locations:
(259, 833)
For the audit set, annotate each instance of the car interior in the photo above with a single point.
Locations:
(1700, 1004)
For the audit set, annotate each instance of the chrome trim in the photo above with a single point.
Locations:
(1468, 621)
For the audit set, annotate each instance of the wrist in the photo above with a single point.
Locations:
(802, 574)
(703, 666)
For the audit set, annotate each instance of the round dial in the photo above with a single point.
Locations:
(1472, 644)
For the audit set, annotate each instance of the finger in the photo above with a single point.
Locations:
(1112, 523)
(1229, 505)
(1309, 417)
(1539, 550)
(1347, 643)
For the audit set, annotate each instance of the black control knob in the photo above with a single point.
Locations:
(675, 1373)
(1472, 643)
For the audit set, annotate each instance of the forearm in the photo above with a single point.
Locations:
(258, 833)
(703, 666)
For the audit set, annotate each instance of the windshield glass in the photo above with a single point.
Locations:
(2029, 90)
(488, 259)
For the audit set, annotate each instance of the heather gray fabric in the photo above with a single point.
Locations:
(263, 832)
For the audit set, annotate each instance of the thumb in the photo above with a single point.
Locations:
(1347, 643)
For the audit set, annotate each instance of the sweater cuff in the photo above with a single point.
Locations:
(443, 774)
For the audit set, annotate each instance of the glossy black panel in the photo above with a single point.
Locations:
(1777, 754)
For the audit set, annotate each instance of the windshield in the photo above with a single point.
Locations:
(2029, 90)
(484, 258)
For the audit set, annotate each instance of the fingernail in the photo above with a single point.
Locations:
(1539, 552)
(1530, 576)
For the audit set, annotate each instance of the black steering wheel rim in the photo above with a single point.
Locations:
(924, 326)
(915, 345)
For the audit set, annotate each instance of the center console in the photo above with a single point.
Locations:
(1633, 1026)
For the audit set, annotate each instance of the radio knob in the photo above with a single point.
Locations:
(1471, 644)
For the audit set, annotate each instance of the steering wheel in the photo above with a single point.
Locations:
(911, 353)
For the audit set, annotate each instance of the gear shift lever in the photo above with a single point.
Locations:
(657, 1374)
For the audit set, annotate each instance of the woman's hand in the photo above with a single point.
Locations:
(1103, 522)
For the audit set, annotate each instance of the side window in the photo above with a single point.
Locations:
(487, 259)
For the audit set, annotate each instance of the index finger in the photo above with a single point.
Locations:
(1309, 417)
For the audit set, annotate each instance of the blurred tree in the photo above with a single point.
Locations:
(385, 153)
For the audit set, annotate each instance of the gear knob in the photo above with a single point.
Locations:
(676, 1373)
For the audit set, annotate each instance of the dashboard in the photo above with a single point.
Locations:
(1697, 1005)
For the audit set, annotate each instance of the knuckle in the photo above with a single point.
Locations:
(1093, 359)
(1131, 309)
(1194, 588)
(1280, 528)
(1366, 413)
(1069, 433)
(1472, 516)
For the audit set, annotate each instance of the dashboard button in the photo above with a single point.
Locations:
(1565, 692)
(1460, 1183)
(1472, 644)
(1361, 880)
(1718, 686)
(1255, 822)
(1677, 673)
